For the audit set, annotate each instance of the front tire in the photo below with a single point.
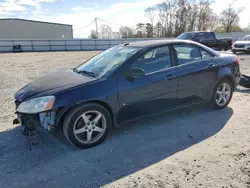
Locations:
(87, 126)
(222, 94)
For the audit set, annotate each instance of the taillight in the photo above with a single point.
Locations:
(230, 41)
(237, 60)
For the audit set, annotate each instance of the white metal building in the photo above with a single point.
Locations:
(12, 28)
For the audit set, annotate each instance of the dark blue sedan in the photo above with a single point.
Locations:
(124, 83)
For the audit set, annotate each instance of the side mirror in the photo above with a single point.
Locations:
(134, 71)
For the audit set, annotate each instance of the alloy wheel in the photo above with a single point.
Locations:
(223, 94)
(89, 127)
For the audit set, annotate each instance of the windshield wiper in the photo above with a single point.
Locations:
(84, 72)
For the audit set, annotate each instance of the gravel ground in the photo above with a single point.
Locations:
(192, 147)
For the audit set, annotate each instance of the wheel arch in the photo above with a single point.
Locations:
(64, 111)
(228, 77)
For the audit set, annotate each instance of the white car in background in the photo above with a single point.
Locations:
(242, 45)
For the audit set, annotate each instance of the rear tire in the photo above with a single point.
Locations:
(234, 52)
(222, 94)
(87, 126)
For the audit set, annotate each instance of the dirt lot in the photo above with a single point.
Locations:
(193, 147)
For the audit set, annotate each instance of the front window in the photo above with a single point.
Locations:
(186, 36)
(107, 61)
(154, 60)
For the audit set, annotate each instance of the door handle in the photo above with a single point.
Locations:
(211, 65)
(169, 77)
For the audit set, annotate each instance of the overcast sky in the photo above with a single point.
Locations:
(80, 13)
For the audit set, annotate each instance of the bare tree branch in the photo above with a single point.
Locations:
(230, 17)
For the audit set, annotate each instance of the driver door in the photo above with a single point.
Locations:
(154, 92)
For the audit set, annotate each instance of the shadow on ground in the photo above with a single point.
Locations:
(130, 148)
(242, 90)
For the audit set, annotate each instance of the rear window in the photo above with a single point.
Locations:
(187, 53)
(209, 36)
(205, 54)
(199, 36)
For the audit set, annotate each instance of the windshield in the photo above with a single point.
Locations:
(247, 38)
(186, 36)
(107, 61)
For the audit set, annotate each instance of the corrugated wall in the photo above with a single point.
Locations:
(23, 29)
(235, 35)
(82, 44)
(63, 45)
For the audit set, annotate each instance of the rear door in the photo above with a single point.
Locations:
(152, 93)
(210, 39)
(196, 73)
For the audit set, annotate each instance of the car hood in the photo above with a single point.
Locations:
(242, 42)
(53, 82)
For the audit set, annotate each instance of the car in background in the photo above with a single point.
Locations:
(124, 83)
(229, 41)
(208, 39)
(242, 45)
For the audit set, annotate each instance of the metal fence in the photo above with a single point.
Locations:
(83, 44)
(235, 35)
(64, 45)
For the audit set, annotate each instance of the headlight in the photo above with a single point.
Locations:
(36, 105)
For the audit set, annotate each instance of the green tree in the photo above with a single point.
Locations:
(140, 28)
(126, 32)
(93, 34)
(149, 30)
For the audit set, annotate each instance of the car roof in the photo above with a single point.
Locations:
(161, 42)
(199, 32)
(153, 43)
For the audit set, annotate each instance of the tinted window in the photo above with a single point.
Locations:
(209, 36)
(186, 36)
(205, 54)
(247, 38)
(199, 36)
(154, 60)
(187, 53)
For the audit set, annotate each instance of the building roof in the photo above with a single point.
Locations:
(34, 21)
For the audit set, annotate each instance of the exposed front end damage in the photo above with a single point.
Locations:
(45, 120)
(34, 123)
(36, 113)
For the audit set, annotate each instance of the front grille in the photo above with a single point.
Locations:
(239, 46)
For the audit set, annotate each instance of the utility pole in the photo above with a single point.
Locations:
(96, 28)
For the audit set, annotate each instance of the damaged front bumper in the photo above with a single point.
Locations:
(46, 120)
